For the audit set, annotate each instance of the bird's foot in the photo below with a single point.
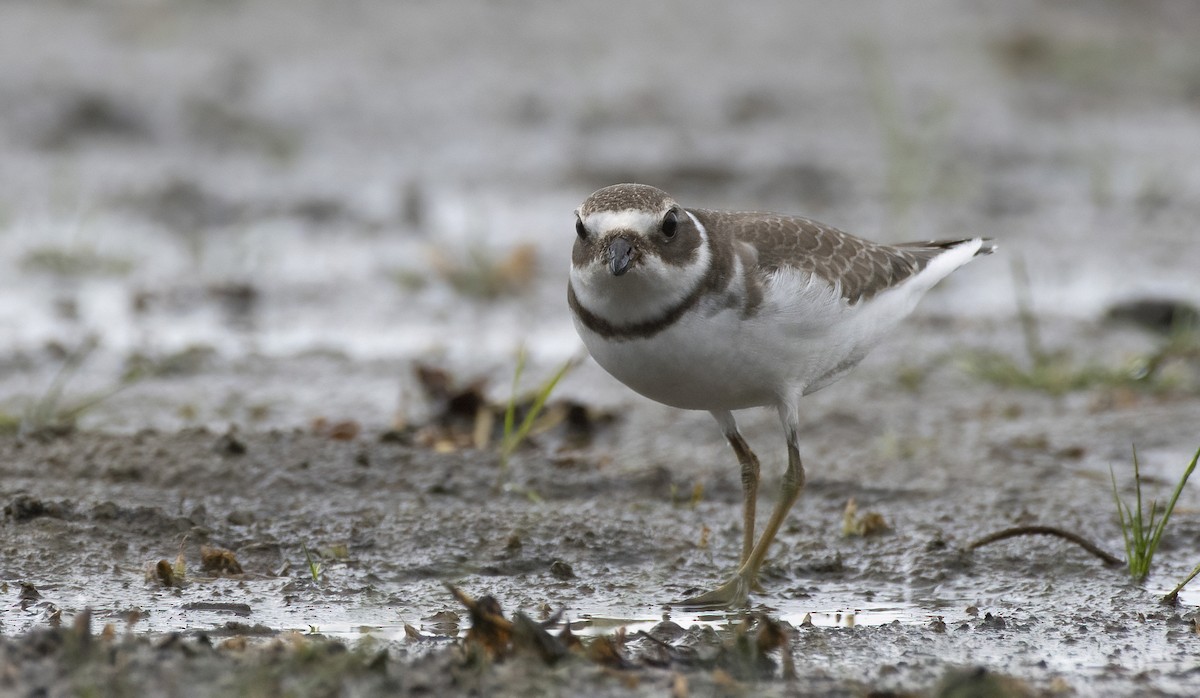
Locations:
(734, 593)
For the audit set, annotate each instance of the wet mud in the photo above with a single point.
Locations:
(350, 539)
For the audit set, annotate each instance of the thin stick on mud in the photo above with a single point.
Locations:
(1109, 559)
(1172, 598)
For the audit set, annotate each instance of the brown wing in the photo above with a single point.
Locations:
(860, 268)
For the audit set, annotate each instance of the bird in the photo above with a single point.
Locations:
(721, 311)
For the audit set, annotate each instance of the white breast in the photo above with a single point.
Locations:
(715, 359)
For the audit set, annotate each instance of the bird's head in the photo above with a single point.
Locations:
(636, 249)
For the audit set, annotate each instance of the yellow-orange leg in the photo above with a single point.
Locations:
(736, 591)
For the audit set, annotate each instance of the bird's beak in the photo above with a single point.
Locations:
(620, 254)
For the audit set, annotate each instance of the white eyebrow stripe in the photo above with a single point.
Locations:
(634, 219)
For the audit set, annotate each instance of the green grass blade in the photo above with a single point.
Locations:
(45, 411)
(1137, 488)
(1142, 535)
(1158, 531)
(514, 436)
(511, 410)
(314, 568)
(535, 409)
(1130, 528)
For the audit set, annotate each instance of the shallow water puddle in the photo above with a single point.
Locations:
(257, 605)
(795, 613)
(595, 624)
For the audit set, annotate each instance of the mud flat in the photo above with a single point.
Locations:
(343, 541)
(266, 267)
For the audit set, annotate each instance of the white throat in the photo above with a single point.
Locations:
(650, 288)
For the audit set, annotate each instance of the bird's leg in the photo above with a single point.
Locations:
(749, 463)
(736, 591)
(789, 492)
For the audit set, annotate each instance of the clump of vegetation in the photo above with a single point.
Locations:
(1056, 372)
(77, 261)
(1142, 535)
(475, 271)
(868, 523)
(514, 434)
(80, 661)
(746, 653)
(479, 273)
(49, 413)
(314, 567)
(169, 574)
(694, 499)
(463, 416)
(219, 561)
(1182, 343)
(1087, 64)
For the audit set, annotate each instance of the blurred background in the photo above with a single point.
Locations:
(266, 212)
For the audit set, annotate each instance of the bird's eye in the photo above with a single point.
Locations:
(579, 229)
(670, 224)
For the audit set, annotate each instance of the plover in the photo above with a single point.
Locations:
(721, 311)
